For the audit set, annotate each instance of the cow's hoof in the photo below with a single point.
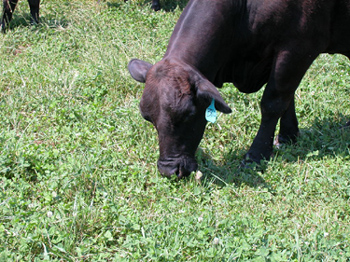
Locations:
(34, 22)
(248, 165)
(249, 161)
(3, 28)
(252, 162)
(155, 7)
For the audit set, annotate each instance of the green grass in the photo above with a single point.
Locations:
(78, 163)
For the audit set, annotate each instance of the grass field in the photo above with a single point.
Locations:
(78, 176)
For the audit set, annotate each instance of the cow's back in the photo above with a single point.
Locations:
(235, 41)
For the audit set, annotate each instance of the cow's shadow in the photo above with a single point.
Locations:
(166, 5)
(20, 20)
(25, 20)
(323, 137)
(171, 5)
(231, 171)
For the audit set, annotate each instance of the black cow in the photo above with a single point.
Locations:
(9, 7)
(248, 43)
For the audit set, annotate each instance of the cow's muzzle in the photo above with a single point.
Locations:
(181, 167)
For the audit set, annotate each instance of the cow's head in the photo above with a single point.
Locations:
(175, 99)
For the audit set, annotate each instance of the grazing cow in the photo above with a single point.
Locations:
(248, 43)
(9, 7)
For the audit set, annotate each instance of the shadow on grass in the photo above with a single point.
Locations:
(324, 137)
(231, 172)
(25, 20)
(166, 5)
(171, 5)
(20, 21)
(115, 4)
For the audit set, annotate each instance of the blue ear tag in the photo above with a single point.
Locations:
(210, 113)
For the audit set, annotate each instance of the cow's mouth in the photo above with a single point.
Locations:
(181, 167)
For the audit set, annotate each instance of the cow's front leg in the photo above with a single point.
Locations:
(278, 100)
(272, 108)
(34, 9)
(155, 5)
(8, 8)
(289, 130)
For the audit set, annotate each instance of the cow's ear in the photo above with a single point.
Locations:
(206, 92)
(138, 69)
